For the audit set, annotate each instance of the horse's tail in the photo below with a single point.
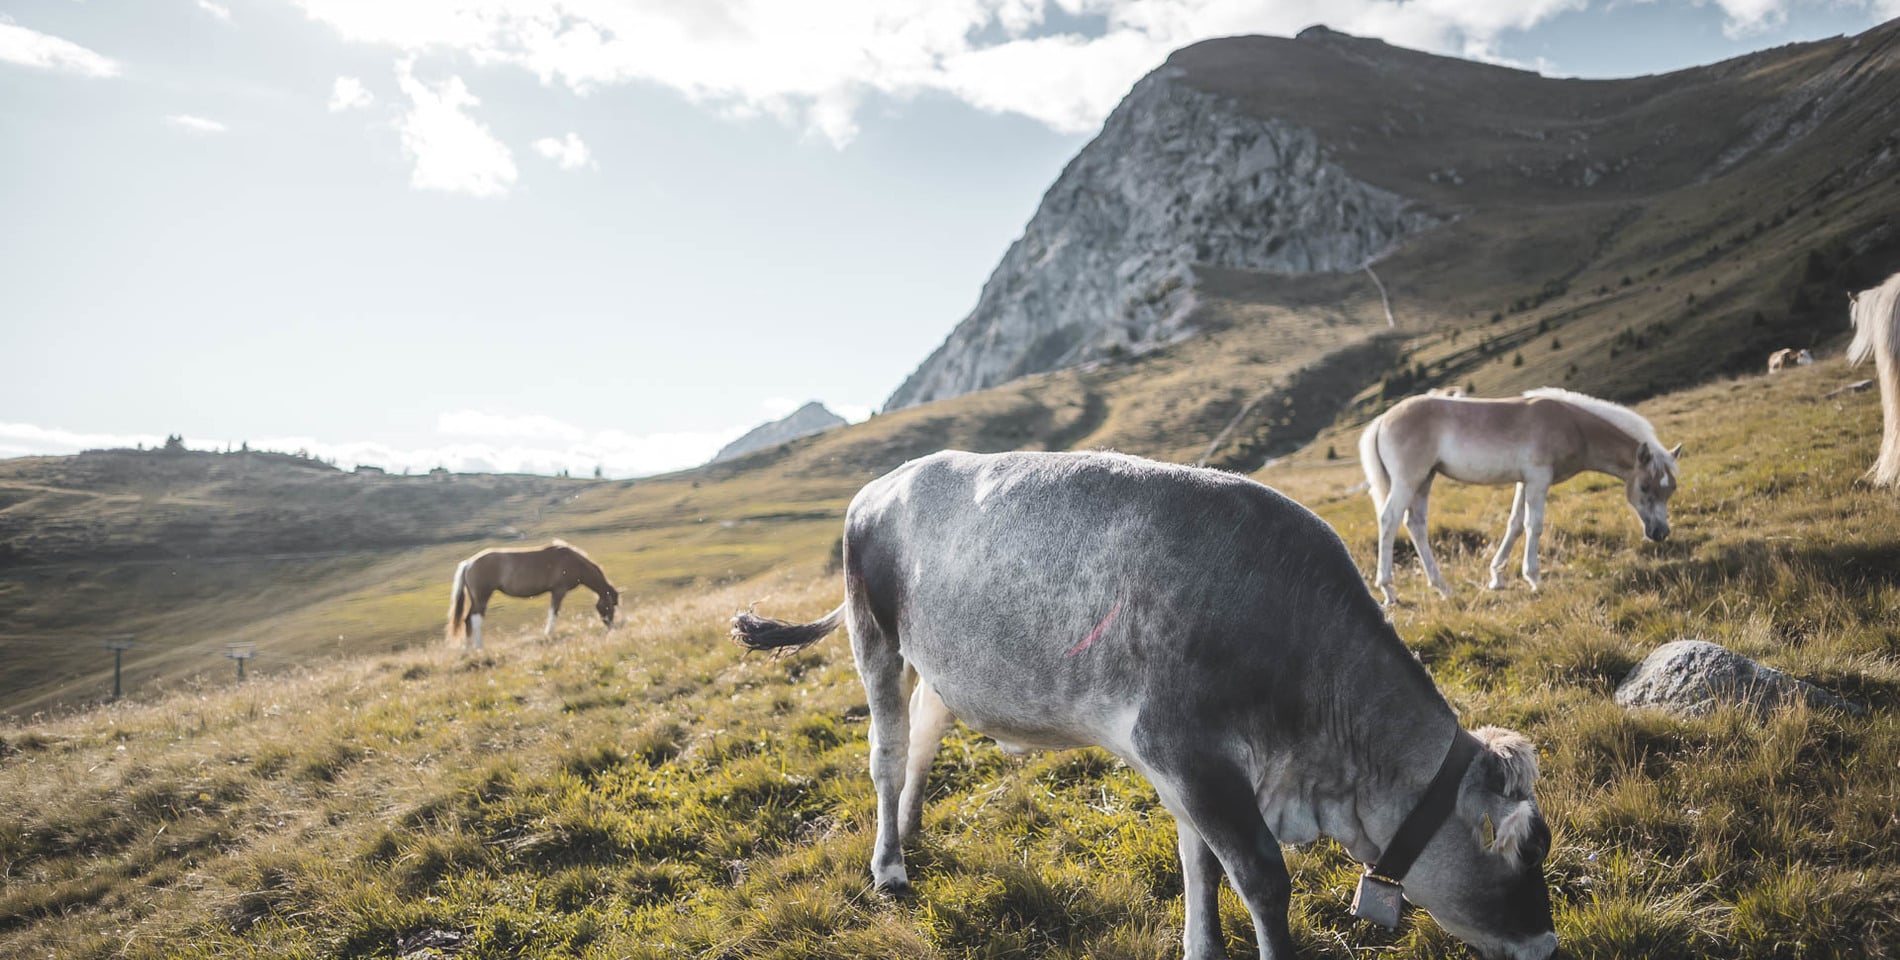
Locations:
(1378, 481)
(765, 633)
(458, 602)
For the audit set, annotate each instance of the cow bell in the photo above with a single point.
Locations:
(1378, 900)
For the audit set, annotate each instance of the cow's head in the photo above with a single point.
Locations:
(1482, 875)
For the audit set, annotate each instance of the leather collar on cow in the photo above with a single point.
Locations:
(1440, 799)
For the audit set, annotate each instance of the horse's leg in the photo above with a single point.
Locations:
(1511, 530)
(1390, 515)
(1535, 487)
(477, 610)
(929, 721)
(1415, 525)
(554, 611)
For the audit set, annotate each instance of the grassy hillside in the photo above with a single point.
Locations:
(196, 551)
(652, 792)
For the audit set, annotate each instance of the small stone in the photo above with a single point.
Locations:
(1692, 677)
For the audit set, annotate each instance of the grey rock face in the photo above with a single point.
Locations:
(1691, 677)
(1177, 177)
(802, 422)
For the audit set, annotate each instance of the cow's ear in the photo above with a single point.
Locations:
(1676, 454)
(1516, 827)
(1516, 759)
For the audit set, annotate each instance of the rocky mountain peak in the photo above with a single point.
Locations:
(811, 418)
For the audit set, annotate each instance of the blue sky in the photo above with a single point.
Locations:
(537, 234)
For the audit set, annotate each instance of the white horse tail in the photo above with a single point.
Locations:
(458, 602)
(1378, 481)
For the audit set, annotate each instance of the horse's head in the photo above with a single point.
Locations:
(606, 605)
(1651, 485)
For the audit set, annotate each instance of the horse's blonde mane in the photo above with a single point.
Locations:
(1876, 315)
(1619, 416)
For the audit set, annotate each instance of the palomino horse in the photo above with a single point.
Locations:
(1546, 436)
(1876, 315)
(523, 572)
(1790, 357)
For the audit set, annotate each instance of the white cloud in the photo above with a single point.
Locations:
(815, 64)
(452, 151)
(196, 124)
(30, 48)
(348, 93)
(569, 152)
(854, 412)
(474, 423)
(218, 10)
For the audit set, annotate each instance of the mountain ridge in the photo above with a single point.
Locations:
(1493, 153)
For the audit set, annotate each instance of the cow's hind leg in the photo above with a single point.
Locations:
(929, 721)
(1215, 798)
(881, 668)
(1200, 876)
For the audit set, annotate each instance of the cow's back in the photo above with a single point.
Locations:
(1050, 597)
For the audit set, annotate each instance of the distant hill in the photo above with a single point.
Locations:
(802, 422)
(1476, 189)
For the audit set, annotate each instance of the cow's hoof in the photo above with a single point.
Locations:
(1497, 583)
(899, 889)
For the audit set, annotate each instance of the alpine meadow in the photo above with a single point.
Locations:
(1270, 243)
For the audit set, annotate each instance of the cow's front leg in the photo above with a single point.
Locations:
(929, 721)
(1200, 878)
(1214, 796)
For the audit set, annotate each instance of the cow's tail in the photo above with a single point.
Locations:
(782, 636)
(458, 602)
(1378, 481)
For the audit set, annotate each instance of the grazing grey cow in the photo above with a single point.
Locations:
(1214, 635)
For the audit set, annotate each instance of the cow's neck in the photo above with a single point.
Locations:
(1397, 729)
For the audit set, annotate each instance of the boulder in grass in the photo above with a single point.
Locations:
(1692, 677)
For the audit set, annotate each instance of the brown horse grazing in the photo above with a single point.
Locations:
(523, 572)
